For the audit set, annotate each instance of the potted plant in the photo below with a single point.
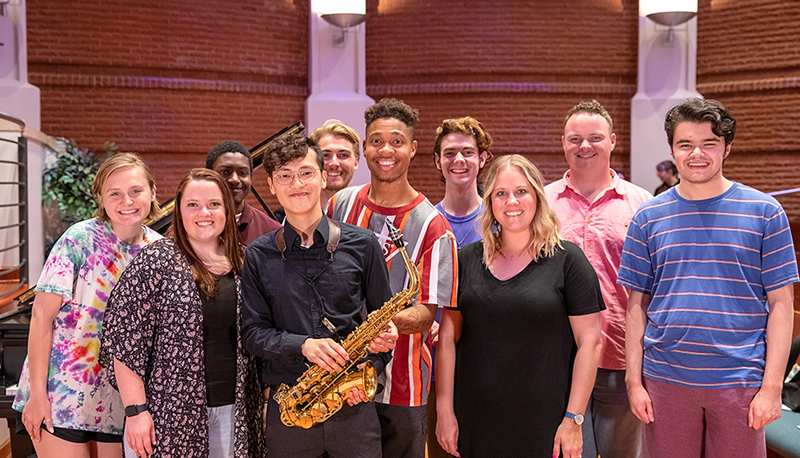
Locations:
(67, 187)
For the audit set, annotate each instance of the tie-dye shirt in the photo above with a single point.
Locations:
(83, 267)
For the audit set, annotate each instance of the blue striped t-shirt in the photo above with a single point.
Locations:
(707, 266)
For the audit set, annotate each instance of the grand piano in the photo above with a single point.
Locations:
(15, 324)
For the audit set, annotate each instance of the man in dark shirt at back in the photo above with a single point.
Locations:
(303, 288)
(234, 162)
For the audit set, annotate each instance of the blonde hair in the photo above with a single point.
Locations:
(544, 239)
(111, 165)
(336, 128)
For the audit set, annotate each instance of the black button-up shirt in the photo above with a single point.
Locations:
(282, 309)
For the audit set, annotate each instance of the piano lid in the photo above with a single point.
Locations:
(162, 224)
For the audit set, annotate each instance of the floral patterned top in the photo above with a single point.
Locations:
(83, 267)
(154, 325)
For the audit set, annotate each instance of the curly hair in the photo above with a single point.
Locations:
(699, 111)
(468, 127)
(593, 107)
(288, 148)
(392, 108)
(228, 146)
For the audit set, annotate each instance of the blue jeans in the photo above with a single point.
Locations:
(220, 431)
(611, 429)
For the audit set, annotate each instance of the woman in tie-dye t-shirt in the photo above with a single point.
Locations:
(64, 395)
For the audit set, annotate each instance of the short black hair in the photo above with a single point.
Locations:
(667, 165)
(288, 148)
(392, 108)
(699, 111)
(228, 146)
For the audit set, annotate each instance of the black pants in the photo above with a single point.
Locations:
(403, 430)
(351, 432)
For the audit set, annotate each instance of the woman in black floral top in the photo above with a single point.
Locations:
(172, 336)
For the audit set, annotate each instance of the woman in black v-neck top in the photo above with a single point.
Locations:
(518, 356)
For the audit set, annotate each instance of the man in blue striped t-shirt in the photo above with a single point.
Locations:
(710, 264)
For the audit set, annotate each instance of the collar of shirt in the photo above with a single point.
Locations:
(294, 240)
(616, 185)
(244, 217)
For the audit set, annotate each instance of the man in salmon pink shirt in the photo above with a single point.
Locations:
(594, 206)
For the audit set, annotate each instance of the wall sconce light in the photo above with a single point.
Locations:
(668, 12)
(343, 14)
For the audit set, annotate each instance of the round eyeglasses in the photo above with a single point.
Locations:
(304, 174)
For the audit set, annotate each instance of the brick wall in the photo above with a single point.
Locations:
(169, 79)
(516, 66)
(757, 76)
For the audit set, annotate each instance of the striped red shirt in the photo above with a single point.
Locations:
(431, 245)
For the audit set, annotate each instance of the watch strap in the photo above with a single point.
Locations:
(135, 409)
(576, 417)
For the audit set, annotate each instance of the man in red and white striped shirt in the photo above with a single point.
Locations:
(389, 147)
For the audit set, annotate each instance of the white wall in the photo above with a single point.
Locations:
(20, 100)
(667, 77)
(338, 81)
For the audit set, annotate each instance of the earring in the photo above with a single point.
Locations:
(496, 227)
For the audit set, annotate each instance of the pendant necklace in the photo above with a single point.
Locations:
(516, 255)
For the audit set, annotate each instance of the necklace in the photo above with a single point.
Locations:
(515, 255)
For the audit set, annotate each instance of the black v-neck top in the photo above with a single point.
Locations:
(219, 342)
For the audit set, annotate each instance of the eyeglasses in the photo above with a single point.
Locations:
(285, 178)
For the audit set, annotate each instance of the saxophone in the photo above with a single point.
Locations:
(318, 393)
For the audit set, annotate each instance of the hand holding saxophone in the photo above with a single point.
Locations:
(356, 395)
(386, 340)
(327, 353)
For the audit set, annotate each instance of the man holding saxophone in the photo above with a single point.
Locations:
(304, 286)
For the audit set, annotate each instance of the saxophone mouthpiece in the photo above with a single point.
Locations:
(394, 234)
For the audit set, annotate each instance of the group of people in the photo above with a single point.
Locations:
(584, 317)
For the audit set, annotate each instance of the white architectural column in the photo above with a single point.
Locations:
(667, 77)
(338, 79)
(21, 100)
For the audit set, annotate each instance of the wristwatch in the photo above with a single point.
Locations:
(576, 417)
(135, 409)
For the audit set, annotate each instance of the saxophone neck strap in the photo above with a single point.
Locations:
(334, 234)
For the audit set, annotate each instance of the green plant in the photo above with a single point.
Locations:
(68, 183)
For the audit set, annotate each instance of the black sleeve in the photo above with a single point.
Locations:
(470, 262)
(131, 315)
(582, 292)
(260, 336)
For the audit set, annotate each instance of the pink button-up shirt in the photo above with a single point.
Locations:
(600, 228)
